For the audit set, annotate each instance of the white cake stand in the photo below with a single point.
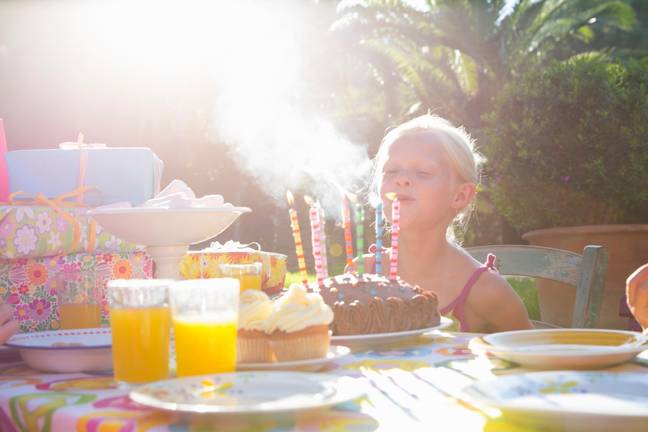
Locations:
(166, 233)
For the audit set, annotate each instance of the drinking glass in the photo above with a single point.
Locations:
(248, 275)
(79, 299)
(140, 322)
(205, 315)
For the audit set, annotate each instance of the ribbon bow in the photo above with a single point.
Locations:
(57, 204)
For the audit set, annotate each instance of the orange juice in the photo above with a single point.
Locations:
(249, 281)
(80, 315)
(140, 343)
(204, 346)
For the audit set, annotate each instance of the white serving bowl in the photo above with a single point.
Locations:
(166, 233)
(66, 351)
(151, 226)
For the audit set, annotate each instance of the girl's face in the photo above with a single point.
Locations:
(419, 173)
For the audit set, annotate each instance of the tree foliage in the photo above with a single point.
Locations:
(567, 145)
(455, 55)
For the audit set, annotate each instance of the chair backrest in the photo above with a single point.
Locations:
(585, 272)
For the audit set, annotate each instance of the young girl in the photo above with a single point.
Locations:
(432, 168)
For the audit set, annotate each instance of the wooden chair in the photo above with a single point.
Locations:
(585, 272)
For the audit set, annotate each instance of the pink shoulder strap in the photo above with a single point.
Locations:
(456, 306)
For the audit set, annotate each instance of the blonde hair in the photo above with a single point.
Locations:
(457, 144)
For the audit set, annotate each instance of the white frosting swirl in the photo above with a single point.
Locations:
(254, 309)
(298, 309)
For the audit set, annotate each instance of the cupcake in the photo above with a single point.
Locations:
(253, 342)
(298, 325)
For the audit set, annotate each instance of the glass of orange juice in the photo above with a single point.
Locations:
(79, 299)
(140, 322)
(205, 316)
(248, 275)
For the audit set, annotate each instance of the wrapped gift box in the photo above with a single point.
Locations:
(204, 264)
(39, 231)
(30, 285)
(130, 174)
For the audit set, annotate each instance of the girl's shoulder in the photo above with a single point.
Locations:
(492, 296)
(488, 283)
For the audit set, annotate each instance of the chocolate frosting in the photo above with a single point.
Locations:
(370, 303)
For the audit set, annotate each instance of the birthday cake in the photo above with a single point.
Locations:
(369, 303)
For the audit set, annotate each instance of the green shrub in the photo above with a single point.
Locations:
(568, 145)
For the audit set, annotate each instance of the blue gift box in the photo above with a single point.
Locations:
(130, 174)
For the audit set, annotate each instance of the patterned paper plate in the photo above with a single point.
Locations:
(309, 365)
(386, 338)
(65, 350)
(567, 400)
(563, 348)
(248, 393)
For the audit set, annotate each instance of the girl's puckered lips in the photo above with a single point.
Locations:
(401, 197)
(406, 198)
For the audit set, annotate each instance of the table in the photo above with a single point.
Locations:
(413, 385)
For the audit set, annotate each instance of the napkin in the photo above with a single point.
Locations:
(176, 195)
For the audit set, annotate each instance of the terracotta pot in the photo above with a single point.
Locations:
(628, 249)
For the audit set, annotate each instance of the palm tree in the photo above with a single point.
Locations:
(456, 54)
(627, 44)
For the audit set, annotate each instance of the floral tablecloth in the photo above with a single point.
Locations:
(410, 387)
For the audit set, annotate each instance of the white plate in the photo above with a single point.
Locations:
(385, 338)
(564, 348)
(310, 365)
(65, 350)
(569, 400)
(248, 393)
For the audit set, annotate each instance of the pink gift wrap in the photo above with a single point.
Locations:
(30, 285)
(4, 173)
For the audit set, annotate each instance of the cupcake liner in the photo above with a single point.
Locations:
(253, 346)
(311, 342)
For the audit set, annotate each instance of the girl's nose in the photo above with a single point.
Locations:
(403, 179)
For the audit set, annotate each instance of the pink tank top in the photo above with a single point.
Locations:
(456, 306)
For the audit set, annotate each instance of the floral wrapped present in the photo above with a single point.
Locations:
(204, 263)
(30, 285)
(37, 231)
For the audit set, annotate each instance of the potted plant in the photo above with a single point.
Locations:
(568, 164)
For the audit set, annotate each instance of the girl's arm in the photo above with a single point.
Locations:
(497, 305)
(7, 326)
(637, 295)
